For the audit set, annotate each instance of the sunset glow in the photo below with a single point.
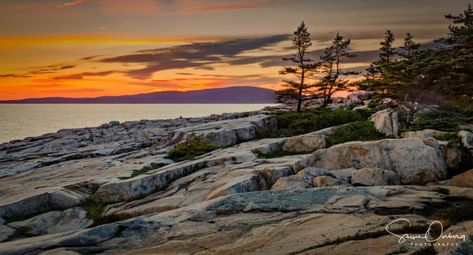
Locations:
(90, 48)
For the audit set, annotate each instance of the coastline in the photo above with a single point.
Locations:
(118, 187)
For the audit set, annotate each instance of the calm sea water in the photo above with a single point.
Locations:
(24, 120)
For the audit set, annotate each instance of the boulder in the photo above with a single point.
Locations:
(236, 184)
(453, 155)
(374, 177)
(387, 122)
(54, 222)
(466, 139)
(274, 173)
(413, 160)
(308, 142)
(464, 179)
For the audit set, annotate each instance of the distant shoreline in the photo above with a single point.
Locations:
(228, 95)
(19, 121)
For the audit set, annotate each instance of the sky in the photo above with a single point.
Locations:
(90, 48)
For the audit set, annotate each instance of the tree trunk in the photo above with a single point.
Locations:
(299, 100)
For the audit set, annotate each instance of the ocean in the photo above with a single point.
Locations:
(18, 121)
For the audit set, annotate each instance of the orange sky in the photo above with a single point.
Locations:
(89, 48)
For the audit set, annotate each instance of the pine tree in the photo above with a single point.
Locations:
(331, 61)
(387, 54)
(387, 50)
(410, 46)
(298, 88)
(461, 31)
(374, 77)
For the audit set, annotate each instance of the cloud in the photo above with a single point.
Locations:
(192, 6)
(82, 75)
(71, 3)
(50, 69)
(11, 75)
(195, 55)
(160, 7)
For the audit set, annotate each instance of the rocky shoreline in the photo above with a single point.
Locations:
(80, 191)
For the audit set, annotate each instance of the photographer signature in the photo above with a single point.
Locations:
(429, 236)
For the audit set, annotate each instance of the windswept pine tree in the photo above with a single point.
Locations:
(387, 49)
(331, 61)
(410, 46)
(303, 66)
(375, 78)
(386, 55)
(461, 30)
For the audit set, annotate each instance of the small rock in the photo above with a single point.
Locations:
(325, 181)
(292, 182)
(463, 180)
(6, 232)
(466, 139)
(312, 172)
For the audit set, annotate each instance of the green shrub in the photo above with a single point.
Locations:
(298, 123)
(191, 149)
(143, 170)
(438, 124)
(356, 131)
(451, 137)
(444, 121)
(94, 210)
(335, 118)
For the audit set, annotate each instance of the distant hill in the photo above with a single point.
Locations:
(230, 95)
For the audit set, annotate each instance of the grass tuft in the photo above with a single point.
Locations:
(191, 149)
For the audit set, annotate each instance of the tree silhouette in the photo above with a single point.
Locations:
(387, 50)
(410, 46)
(331, 61)
(298, 88)
(461, 31)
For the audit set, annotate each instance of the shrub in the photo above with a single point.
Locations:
(451, 137)
(298, 123)
(94, 210)
(143, 170)
(356, 131)
(444, 121)
(191, 149)
(335, 118)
